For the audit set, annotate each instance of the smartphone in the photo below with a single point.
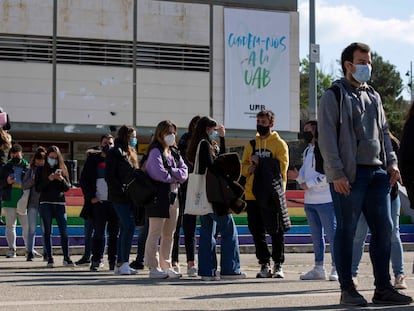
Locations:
(58, 171)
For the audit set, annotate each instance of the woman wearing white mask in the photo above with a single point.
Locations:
(164, 165)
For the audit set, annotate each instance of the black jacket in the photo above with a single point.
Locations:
(117, 169)
(270, 195)
(50, 191)
(88, 182)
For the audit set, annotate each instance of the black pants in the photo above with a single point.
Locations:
(257, 229)
(104, 216)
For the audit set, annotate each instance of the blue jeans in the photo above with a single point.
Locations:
(321, 220)
(47, 212)
(126, 215)
(369, 195)
(32, 213)
(211, 225)
(396, 245)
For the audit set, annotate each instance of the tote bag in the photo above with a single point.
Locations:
(21, 208)
(196, 202)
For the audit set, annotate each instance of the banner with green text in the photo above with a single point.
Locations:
(256, 67)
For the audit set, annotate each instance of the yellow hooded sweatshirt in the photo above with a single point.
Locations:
(272, 146)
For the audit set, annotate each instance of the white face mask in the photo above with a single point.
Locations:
(169, 139)
(362, 73)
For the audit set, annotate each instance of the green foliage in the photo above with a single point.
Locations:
(385, 79)
(387, 82)
(323, 81)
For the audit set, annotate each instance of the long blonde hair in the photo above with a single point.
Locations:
(5, 141)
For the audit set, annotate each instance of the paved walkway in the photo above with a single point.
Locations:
(31, 286)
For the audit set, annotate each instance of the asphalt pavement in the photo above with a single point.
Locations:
(32, 286)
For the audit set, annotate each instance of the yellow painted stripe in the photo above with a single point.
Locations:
(73, 210)
(296, 211)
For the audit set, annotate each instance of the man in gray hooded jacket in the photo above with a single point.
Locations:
(360, 166)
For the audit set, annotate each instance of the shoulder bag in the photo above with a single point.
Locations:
(196, 202)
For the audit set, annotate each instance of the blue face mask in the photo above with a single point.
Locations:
(213, 135)
(52, 162)
(362, 73)
(133, 142)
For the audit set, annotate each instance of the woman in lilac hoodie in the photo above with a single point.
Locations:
(165, 166)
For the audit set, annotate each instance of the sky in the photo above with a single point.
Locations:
(386, 26)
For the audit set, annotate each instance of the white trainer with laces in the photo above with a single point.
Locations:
(237, 276)
(125, 269)
(278, 272)
(210, 278)
(11, 253)
(156, 273)
(400, 282)
(192, 271)
(172, 274)
(317, 273)
(334, 275)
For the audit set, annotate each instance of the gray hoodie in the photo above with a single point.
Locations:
(337, 139)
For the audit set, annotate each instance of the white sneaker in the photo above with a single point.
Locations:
(238, 276)
(400, 282)
(192, 271)
(37, 254)
(176, 268)
(156, 273)
(314, 274)
(210, 278)
(172, 274)
(11, 253)
(278, 272)
(334, 275)
(125, 269)
(265, 271)
(355, 281)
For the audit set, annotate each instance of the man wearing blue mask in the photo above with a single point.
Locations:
(360, 166)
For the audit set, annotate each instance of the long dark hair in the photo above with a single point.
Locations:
(40, 154)
(123, 136)
(200, 132)
(60, 164)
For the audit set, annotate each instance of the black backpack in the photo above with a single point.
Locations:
(317, 152)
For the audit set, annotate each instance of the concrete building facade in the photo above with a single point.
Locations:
(71, 70)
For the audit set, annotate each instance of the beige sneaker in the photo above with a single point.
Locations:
(355, 281)
(400, 282)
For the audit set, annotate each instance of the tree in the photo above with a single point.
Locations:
(385, 79)
(387, 82)
(323, 81)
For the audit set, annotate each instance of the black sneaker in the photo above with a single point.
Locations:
(67, 262)
(2, 223)
(351, 297)
(50, 262)
(390, 296)
(29, 256)
(94, 266)
(265, 271)
(136, 265)
(83, 261)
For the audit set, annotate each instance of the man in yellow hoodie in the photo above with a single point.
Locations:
(267, 144)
